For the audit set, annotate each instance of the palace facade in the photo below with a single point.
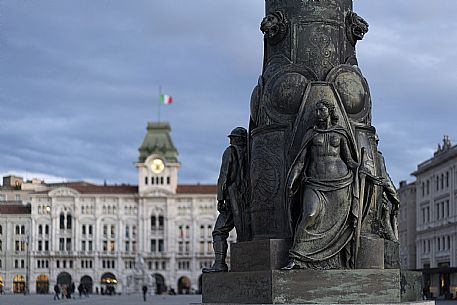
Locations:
(109, 237)
(429, 222)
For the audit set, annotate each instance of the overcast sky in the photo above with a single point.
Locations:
(79, 81)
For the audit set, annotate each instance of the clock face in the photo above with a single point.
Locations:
(157, 166)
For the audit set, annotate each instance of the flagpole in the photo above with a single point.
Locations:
(160, 96)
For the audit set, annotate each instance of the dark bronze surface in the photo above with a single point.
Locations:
(313, 171)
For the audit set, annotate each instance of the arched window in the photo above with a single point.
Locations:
(18, 231)
(104, 209)
(187, 231)
(22, 230)
(40, 229)
(69, 221)
(153, 222)
(1, 230)
(46, 230)
(62, 221)
(133, 231)
(161, 221)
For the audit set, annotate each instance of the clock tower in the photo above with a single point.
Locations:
(158, 163)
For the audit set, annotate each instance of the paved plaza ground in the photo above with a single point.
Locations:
(134, 299)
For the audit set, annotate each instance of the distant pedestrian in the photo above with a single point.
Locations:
(56, 292)
(80, 290)
(72, 289)
(145, 291)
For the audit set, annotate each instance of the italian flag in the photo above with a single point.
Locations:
(166, 99)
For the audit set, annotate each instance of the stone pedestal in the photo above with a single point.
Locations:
(362, 286)
(255, 278)
(259, 255)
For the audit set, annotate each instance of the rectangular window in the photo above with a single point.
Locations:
(83, 245)
(187, 249)
(105, 230)
(90, 245)
(113, 231)
(40, 245)
(17, 245)
(68, 244)
(127, 246)
(153, 245)
(61, 244)
(161, 246)
(133, 246)
(202, 231)
(105, 245)
(16, 264)
(112, 246)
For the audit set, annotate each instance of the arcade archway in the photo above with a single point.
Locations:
(87, 283)
(19, 284)
(160, 283)
(64, 279)
(109, 283)
(42, 284)
(183, 285)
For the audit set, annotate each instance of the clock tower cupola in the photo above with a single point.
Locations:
(158, 163)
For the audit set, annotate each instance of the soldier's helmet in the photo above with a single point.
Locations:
(239, 132)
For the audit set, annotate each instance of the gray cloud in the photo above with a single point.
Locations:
(79, 81)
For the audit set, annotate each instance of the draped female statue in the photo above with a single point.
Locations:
(323, 179)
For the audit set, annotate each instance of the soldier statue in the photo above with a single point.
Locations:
(232, 193)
